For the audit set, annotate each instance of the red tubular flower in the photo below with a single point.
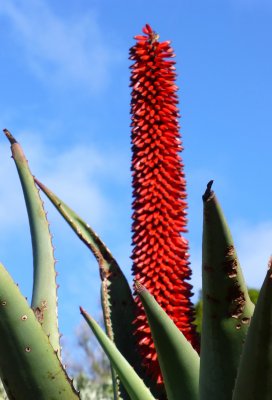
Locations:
(160, 252)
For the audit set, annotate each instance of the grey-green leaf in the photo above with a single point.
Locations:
(131, 381)
(255, 369)
(29, 366)
(116, 297)
(44, 295)
(227, 308)
(179, 362)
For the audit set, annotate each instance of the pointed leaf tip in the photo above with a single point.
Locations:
(227, 308)
(134, 385)
(85, 315)
(44, 296)
(38, 182)
(178, 360)
(139, 287)
(208, 192)
(9, 136)
(82, 311)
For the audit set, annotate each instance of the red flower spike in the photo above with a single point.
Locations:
(160, 253)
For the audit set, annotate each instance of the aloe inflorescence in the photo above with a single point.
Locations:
(160, 251)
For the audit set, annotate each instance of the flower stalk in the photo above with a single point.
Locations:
(160, 251)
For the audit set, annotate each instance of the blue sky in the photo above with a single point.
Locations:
(65, 96)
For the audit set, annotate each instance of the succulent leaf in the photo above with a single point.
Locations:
(29, 366)
(44, 295)
(117, 301)
(227, 308)
(179, 362)
(131, 381)
(255, 368)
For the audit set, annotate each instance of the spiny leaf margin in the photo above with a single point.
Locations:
(131, 381)
(29, 366)
(44, 293)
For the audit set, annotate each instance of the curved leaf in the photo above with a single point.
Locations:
(227, 308)
(29, 366)
(178, 360)
(116, 297)
(44, 295)
(255, 369)
(131, 381)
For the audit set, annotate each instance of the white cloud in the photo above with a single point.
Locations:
(11, 211)
(63, 51)
(79, 176)
(76, 174)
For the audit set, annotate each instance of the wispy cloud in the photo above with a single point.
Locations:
(60, 50)
(78, 175)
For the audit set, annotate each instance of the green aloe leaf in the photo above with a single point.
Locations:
(179, 362)
(227, 308)
(44, 295)
(29, 366)
(129, 378)
(117, 300)
(255, 368)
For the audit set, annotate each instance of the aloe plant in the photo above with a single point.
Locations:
(44, 297)
(30, 366)
(150, 337)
